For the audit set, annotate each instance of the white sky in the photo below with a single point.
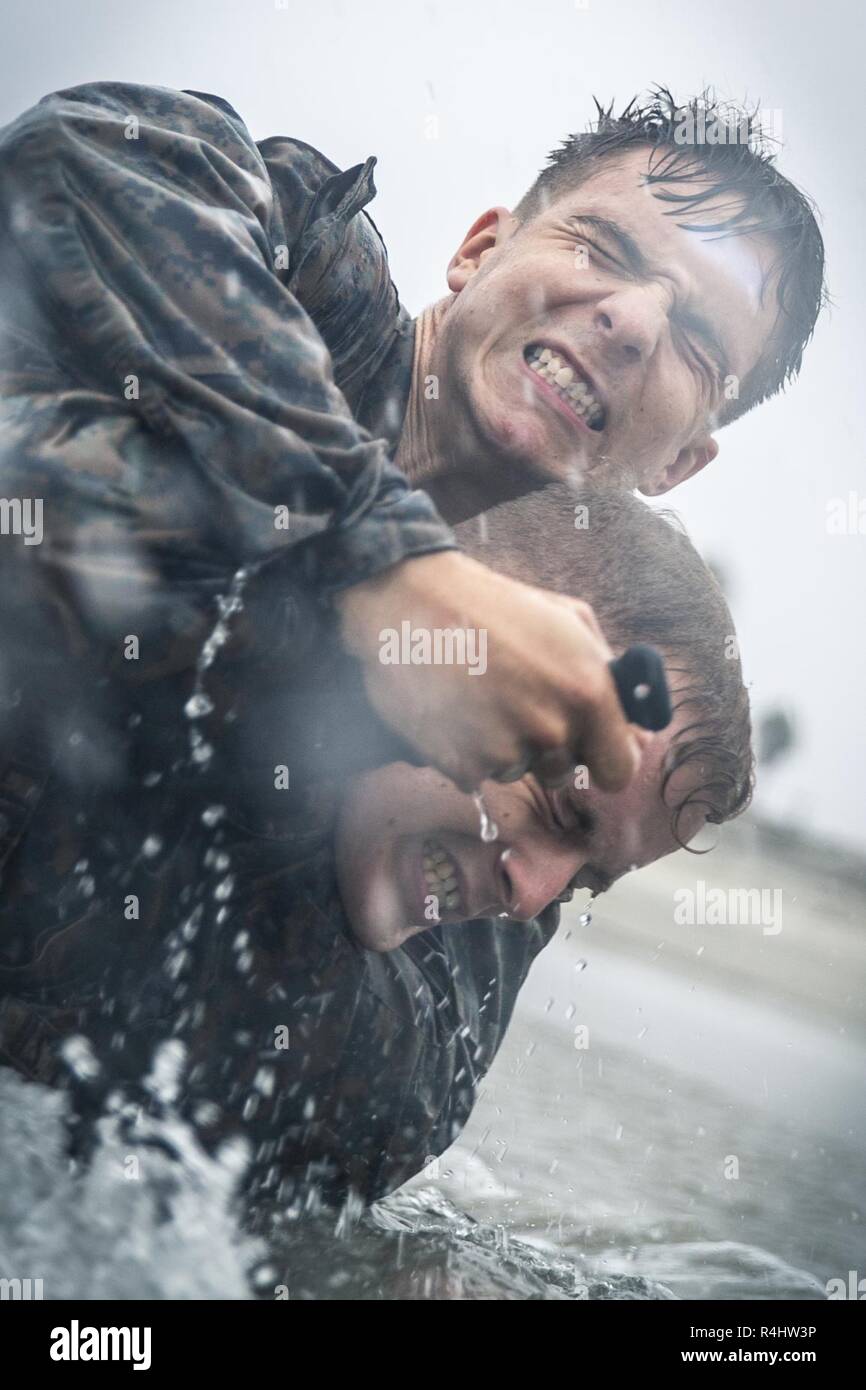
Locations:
(507, 81)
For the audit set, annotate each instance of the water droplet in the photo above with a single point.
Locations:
(191, 925)
(224, 888)
(580, 965)
(198, 705)
(264, 1080)
(152, 846)
(164, 1077)
(585, 918)
(489, 828)
(212, 815)
(78, 1055)
(207, 1114)
(175, 964)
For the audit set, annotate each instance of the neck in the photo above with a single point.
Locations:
(435, 453)
(420, 453)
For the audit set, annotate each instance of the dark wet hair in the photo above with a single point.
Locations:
(646, 583)
(741, 170)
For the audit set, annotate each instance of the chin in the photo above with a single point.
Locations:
(376, 911)
(378, 936)
(520, 440)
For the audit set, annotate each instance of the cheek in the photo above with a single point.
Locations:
(400, 800)
(671, 402)
(511, 807)
(520, 291)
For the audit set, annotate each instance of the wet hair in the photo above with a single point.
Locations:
(741, 171)
(646, 583)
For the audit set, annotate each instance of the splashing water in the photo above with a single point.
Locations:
(489, 828)
(200, 703)
(183, 945)
(152, 1216)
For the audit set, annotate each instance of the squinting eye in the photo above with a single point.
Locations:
(595, 249)
(711, 369)
(570, 817)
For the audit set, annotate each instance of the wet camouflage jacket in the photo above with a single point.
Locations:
(200, 335)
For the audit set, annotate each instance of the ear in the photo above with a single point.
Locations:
(687, 463)
(487, 231)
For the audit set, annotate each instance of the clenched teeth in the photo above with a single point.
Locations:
(440, 875)
(577, 393)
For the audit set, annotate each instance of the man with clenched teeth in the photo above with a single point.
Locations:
(206, 367)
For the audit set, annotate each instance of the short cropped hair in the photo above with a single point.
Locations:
(647, 583)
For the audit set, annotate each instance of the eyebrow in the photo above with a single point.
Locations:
(638, 264)
(625, 242)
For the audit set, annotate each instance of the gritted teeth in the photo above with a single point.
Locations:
(440, 875)
(575, 391)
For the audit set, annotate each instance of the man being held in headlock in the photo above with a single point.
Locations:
(342, 1001)
(209, 384)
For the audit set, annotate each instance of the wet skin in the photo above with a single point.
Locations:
(547, 842)
(659, 318)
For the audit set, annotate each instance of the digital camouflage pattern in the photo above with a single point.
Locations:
(200, 334)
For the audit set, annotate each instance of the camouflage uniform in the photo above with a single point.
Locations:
(199, 330)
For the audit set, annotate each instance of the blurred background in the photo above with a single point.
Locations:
(704, 1043)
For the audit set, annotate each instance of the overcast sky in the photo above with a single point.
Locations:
(505, 82)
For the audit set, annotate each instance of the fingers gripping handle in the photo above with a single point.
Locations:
(639, 676)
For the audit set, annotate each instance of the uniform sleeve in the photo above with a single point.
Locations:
(165, 392)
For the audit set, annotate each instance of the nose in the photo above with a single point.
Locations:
(527, 879)
(632, 320)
